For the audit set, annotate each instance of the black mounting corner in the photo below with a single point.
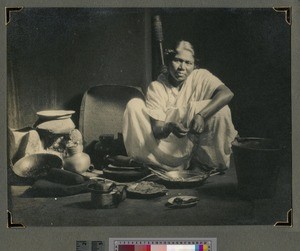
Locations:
(288, 222)
(287, 12)
(8, 11)
(10, 223)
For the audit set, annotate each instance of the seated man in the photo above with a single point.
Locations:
(185, 122)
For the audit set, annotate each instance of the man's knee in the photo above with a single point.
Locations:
(135, 104)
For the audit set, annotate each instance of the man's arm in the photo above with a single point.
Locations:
(221, 97)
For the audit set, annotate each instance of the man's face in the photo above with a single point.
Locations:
(182, 65)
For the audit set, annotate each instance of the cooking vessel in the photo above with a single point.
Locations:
(36, 165)
(182, 178)
(257, 162)
(106, 194)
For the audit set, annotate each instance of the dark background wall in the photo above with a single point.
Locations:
(55, 55)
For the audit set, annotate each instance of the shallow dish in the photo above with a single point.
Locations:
(55, 114)
(182, 201)
(146, 190)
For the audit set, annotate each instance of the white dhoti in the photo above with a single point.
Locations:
(211, 148)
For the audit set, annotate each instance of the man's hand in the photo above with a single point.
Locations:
(197, 124)
(177, 129)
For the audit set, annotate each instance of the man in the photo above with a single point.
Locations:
(185, 122)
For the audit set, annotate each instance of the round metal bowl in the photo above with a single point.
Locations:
(36, 165)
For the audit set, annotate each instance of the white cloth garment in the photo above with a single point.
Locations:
(212, 148)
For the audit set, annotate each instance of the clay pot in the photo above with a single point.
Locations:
(77, 161)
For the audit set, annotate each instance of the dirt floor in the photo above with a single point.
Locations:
(219, 203)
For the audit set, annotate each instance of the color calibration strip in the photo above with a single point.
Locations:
(200, 247)
(161, 245)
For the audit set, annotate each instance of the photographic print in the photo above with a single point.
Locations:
(149, 116)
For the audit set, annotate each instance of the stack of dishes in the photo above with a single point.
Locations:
(55, 121)
(125, 173)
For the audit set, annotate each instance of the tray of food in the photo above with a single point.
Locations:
(146, 190)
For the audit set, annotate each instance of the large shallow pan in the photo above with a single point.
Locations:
(181, 179)
(36, 165)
